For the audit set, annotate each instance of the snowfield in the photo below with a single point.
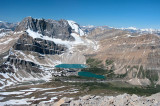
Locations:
(75, 27)
(69, 44)
(2, 34)
(25, 97)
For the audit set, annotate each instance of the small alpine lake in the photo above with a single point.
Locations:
(89, 74)
(79, 66)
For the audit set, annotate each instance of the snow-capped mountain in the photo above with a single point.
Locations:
(6, 28)
(89, 28)
(136, 30)
(6, 25)
(36, 46)
(76, 27)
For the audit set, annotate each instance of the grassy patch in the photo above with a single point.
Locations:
(152, 76)
(122, 75)
(141, 73)
(94, 63)
(97, 67)
(109, 62)
(79, 78)
(93, 86)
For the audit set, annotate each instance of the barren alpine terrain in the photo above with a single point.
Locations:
(121, 66)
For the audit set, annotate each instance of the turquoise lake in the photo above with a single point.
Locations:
(71, 66)
(89, 74)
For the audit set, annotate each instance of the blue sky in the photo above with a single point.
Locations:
(115, 13)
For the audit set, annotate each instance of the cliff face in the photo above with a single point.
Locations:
(51, 28)
(27, 43)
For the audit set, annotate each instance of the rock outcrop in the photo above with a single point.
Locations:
(27, 43)
(120, 100)
(51, 28)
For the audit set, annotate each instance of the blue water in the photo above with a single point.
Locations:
(71, 66)
(89, 74)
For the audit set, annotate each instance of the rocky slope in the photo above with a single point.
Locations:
(120, 100)
(51, 28)
(135, 56)
(36, 46)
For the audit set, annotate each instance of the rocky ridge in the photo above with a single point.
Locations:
(120, 100)
(52, 28)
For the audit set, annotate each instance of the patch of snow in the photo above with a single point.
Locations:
(15, 102)
(2, 34)
(75, 27)
(5, 57)
(16, 78)
(44, 89)
(28, 93)
(33, 98)
(5, 75)
(132, 28)
(128, 35)
(88, 26)
(11, 93)
(59, 92)
(1, 81)
(71, 92)
(32, 89)
(129, 28)
(64, 92)
(1, 98)
(51, 100)
(41, 89)
(18, 32)
(56, 40)
(7, 41)
(3, 86)
(93, 44)
(25, 101)
(148, 30)
(78, 40)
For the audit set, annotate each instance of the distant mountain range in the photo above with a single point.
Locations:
(130, 29)
(87, 29)
(6, 25)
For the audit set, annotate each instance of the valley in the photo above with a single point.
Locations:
(115, 62)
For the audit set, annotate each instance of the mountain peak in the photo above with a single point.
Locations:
(61, 29)
(75, 27)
